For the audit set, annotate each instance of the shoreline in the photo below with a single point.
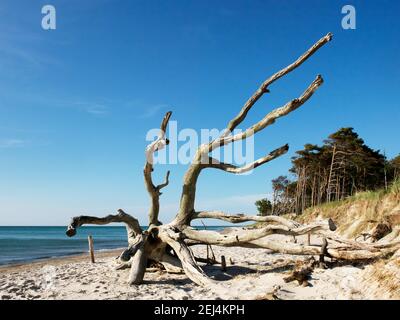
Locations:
(102, 253)
(21, 245)
(250, 274)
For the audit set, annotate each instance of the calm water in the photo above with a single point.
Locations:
(24, 244)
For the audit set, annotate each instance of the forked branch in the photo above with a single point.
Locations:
(265, 85)
(154, 190)
(157, 243)
(202, 159)
(271, 117)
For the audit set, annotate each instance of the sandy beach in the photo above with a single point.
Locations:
(254, 274)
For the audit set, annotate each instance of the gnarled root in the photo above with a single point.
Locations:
(139, 262)
(174, 238)
(302, 272)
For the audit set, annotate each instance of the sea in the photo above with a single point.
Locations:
(26, 244)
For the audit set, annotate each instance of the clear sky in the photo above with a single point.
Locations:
(77, 102)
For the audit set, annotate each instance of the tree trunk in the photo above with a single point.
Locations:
(169, 244)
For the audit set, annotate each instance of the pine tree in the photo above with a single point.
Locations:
(342, 166)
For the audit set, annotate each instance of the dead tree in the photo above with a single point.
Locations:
(169, 244)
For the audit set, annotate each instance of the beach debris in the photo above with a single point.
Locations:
(272, 295)
(302, 271)
(223, 263)
(324, 252)
(381, 230)
(170, 244)
(365, 236)
(91, 249)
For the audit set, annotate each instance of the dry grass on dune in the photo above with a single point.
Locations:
(383, 279)
(358, 213)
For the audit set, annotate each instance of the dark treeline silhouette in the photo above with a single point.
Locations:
(339, 168)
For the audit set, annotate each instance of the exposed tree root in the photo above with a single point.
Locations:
(302, 271)
(169, 244)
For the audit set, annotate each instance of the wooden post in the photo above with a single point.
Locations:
(308, 238)
(223, 263)
(324, 251)
(91, 249)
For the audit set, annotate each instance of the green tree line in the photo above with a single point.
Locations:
(341, 167)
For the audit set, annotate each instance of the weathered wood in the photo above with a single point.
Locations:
(91, 249)
(265, 85)
(171, 263)
(167, 245)
(271, 117)
(243, 235)
(185, 255)
(139, 262)
(239, 218)
(324, 252)
(208, 261)
(223, 263)
(338, 251)
(302, 272)
(132, 224)
(213, 163)
(128, 253)
(186, 208)
(380, 231)
(153, 190)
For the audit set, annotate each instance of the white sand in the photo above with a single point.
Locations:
(255, 274)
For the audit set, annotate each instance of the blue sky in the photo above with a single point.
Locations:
(77, 102)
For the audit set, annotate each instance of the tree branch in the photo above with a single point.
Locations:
(171, 263)
(134, 246)
(264, 87)
(139, 262)
(238, 218)
(186, 207)
(132, 225)
(242, 235)
(346, 252)
(214, 163)
(271, 117)
(154, 191)
(185, 255)
(165, 183)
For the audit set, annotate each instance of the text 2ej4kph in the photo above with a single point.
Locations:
(202, 309)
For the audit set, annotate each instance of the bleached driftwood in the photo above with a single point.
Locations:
(169, 244)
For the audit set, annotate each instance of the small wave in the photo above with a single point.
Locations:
(110, 249)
